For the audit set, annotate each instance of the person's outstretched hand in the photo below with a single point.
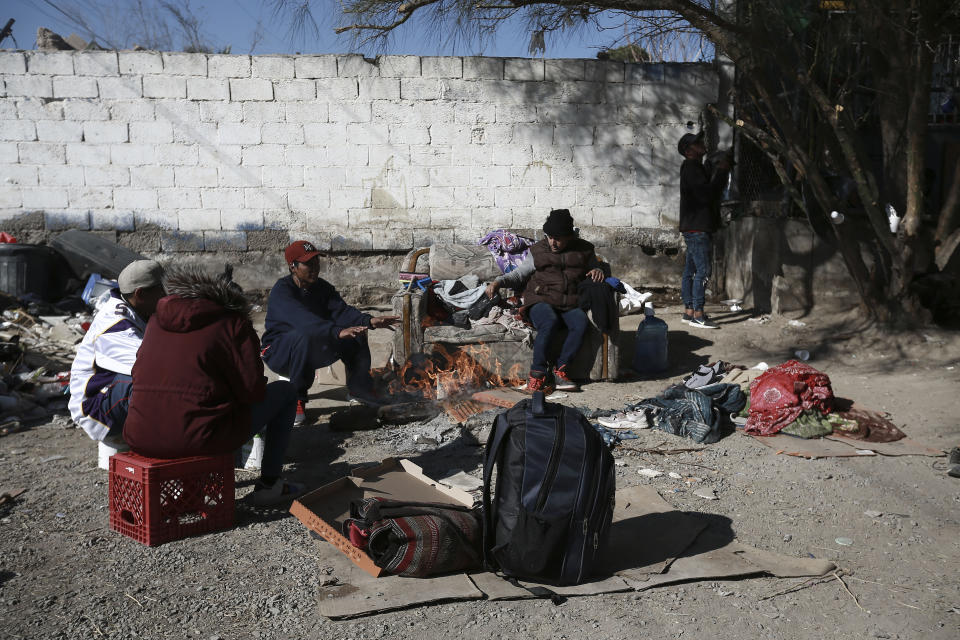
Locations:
(381, 322)
(492, 289)
(352, 332)
(595, 274)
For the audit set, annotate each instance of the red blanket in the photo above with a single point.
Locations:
(778, 395)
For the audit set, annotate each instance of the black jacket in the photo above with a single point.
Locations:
(700, 197)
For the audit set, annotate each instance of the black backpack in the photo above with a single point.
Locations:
(549, 517)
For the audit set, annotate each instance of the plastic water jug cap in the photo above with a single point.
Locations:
(648, 308)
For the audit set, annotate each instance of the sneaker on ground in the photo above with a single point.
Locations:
(703, 322)
(281, 491)
(537, 384)
(686, 317)
(369, 398)
(301, 414)
(562, 381)
(615, 422)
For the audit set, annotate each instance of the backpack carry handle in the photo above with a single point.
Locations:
(536, 405)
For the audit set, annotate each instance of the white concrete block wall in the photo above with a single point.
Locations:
(357, 154)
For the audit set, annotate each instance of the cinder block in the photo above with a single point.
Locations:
(74, 87)
(88, 198)
(295, 90)
(349, 198)
(174, 199)
(310, 198)
(55, 221)
(194, 132)
(449, 176)
(130, 154)
(31, 86)
(221, 112)
(644, 73)
(398, 66)
(564, 69)
(367, 133)
(18, 130)
(85, 154)
(22, 175)
(533, 134)
(347, 113)
(177, 154)
(181, 241)
(238, 219)
(221, 198)
(8, 151)
(250, 89)
(488, 176)
(11, 198)
(282, 133)
(227, 66)
(263, 155)
(12, 62)
(198, 220)
(554, 155)
(238, 133)
(222, 154)
(461, 90)
(467, 113)
(379, 88)
(523, 69)
(391, 240)
(112, 220)
(421, 88)
(513, 114)
(358, 240)
(41, 153)
(272, 67)
(132, 110)
(596, 196)
(598, 114)
(151, 176)
(8, 109)
(303, 155)
(555, 197)
(261, 199)
(155, 219)
(514, 197)
(106, 176)
(428, 237)
(259, 112)
(305, 112)
(403, 135)
(511, 154)
(208, 89)
(202, 176)
(422, 155)
(156, 132)
(59, 176)
(283, 177)
(45, 198)
(530, 176)
(224, 241)
(42, 109)
(604, 71)
(441, 67)
(185, 64)
(646, 218)
(54, 63)
(483, 68)
(474, 196)
(490, 218)
(433, 197)
(234, 176)
(315, 66)
(333, 89)
(164, 87)
(353, 66)
(130, 198)
(140, 62)
(105, 132)
(96, 63)
(122, 88)
(573, 134)
(329, 177)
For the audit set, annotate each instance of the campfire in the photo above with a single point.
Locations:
(445, 378)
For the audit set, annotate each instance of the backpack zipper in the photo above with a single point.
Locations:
(553, 464)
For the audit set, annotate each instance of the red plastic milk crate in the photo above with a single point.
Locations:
(156, 501)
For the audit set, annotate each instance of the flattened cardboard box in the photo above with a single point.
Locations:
(325, 509)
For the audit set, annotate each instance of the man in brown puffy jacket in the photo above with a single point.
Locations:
(552, 272)
(198, 383)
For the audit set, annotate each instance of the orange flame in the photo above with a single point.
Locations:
(444, 373)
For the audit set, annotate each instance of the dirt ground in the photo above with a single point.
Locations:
(65, 574)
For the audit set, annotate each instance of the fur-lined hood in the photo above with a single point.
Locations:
(195, 299)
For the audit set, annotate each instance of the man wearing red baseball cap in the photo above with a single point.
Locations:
(309, 326)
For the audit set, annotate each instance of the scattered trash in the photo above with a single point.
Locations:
(873, 514)
(52, 458)
(787, 537)
(892, 218)
(557, 395)
(650, 473)
(734, 304)
(762, 366)
(836, 217)
(675, 475)
(802, 354)
(845, 542)
(724, 594)
(764, 319)
(866, 452)
(706, 494)
(796, 323)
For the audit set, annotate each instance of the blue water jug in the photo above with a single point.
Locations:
(650, 345)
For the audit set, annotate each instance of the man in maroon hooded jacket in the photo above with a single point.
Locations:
(198, 382)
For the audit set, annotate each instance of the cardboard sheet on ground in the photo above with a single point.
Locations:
(839, 447)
